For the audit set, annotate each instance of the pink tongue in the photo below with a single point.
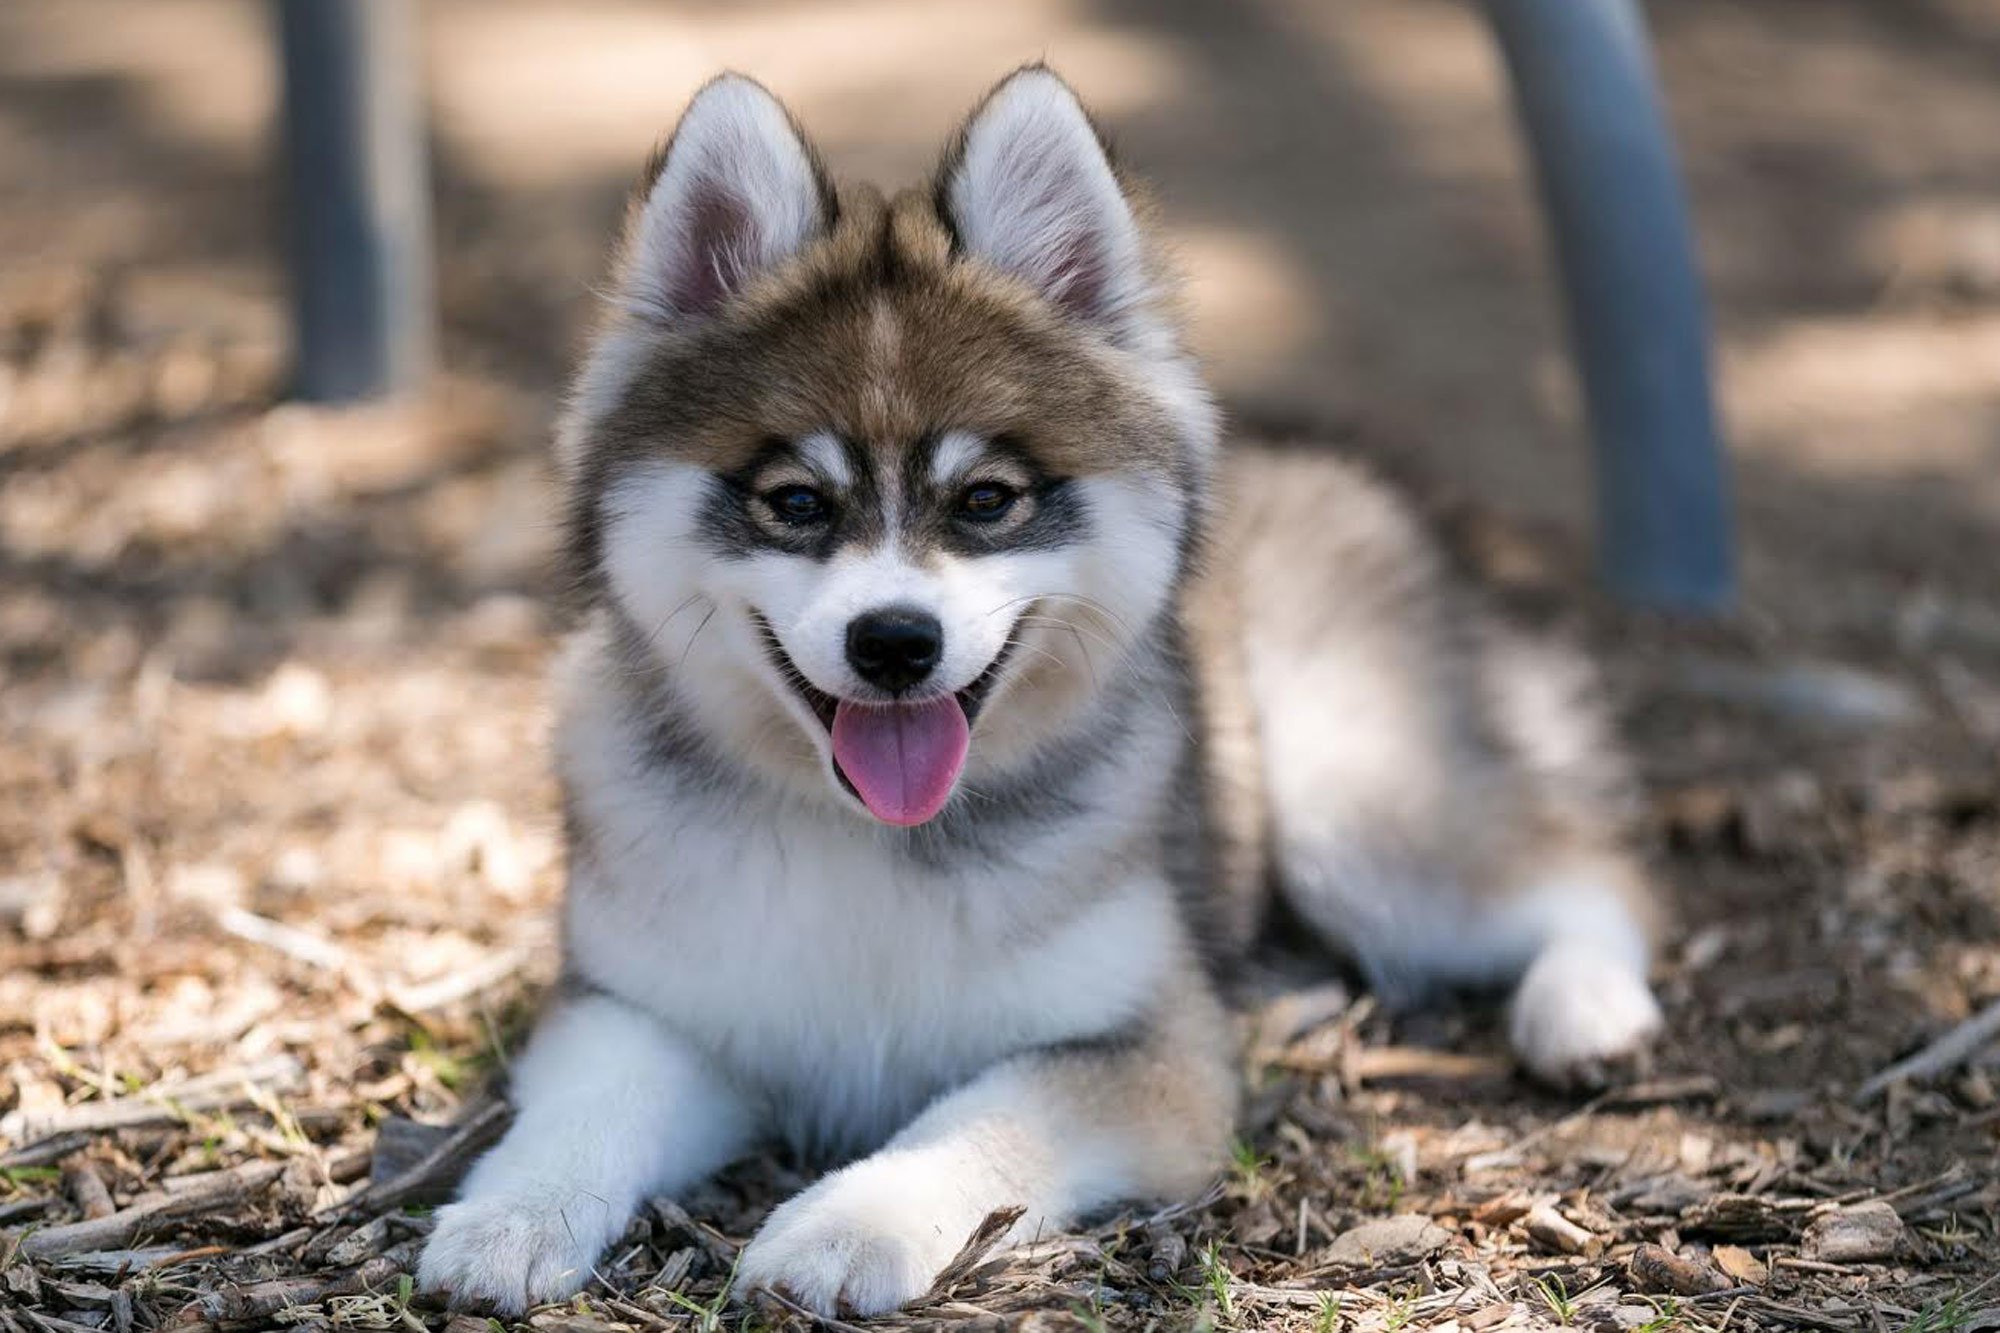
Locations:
(903, 758)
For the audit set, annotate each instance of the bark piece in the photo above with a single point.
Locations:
(87, 1190)
(1740, 1264)
(1655, 1268)
(1404, 1239)
(1858, 1234)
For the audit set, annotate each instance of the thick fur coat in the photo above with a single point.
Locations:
(948, 708)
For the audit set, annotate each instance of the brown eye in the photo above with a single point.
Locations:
(986, 501)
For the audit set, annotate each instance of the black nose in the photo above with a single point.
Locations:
(894, 648)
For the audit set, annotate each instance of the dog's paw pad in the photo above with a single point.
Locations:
(1582, 1018)
(506, 1254)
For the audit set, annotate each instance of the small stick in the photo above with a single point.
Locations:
(1375, 1063)
(1810, 1265)
(16, 1209)
(971, 1254)
(1954, 1048)
(1802, 1317)
(821, 1320)
(160, 1104)
(52, 1324)
(1551, 1230)
(637, 1313)
(116, 1262)
(1655, 1092)
(483, 975)
(1918, 1201)
(301, 945)
(214, 1190)
(1124, 1223)
(288, 1240)
(44, 1151)
(388, 1193)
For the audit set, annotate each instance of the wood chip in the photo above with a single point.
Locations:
(1740, 1264)
(1387, 1241)
(1553, 1232)
(1750, 1217)
(481, 1125)
(1503, 1211)
(242, 1302)
(1860, 1233)
(1167, 1253)
(87, 1190)
(1655, 1268)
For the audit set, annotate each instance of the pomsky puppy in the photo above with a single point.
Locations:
(948, 710)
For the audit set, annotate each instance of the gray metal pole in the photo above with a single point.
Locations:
(355, 161)
(1584, 85)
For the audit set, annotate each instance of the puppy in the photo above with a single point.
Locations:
(946, 709)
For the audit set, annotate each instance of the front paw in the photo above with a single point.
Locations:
(865, 1240)
(508, 1253)
(1581, 1020)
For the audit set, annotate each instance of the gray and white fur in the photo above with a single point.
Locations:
(846, 470)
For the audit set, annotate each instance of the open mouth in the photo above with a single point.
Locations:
(899, 757)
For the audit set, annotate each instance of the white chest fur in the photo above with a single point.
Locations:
(841, 982)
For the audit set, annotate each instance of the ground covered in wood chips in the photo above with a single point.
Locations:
(277, 841)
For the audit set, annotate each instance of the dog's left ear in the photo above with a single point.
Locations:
(1028, 188)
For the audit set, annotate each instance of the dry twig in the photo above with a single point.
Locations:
(1948, 1052)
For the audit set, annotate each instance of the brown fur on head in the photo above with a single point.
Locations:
(884, 328)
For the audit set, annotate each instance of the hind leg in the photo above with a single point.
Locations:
(1437, 863)
(1442, 796)
(1570, 944)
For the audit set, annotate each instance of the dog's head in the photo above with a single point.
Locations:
(889, 489)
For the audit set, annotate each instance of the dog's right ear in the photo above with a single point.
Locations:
(735, 191)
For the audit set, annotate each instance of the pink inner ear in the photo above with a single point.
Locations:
(1077, 277)
(711, 264)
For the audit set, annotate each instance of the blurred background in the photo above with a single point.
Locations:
(271, 776)
(1343, 183)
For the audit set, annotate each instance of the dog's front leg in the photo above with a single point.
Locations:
(1061, 1132)
(610, 1107)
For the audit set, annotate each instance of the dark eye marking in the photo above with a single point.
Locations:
(987, 501)
(798, 505)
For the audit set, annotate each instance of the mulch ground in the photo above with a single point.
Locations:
(277, 847)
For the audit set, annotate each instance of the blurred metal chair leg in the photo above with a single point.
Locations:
(355, 161)
(1584, 85)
